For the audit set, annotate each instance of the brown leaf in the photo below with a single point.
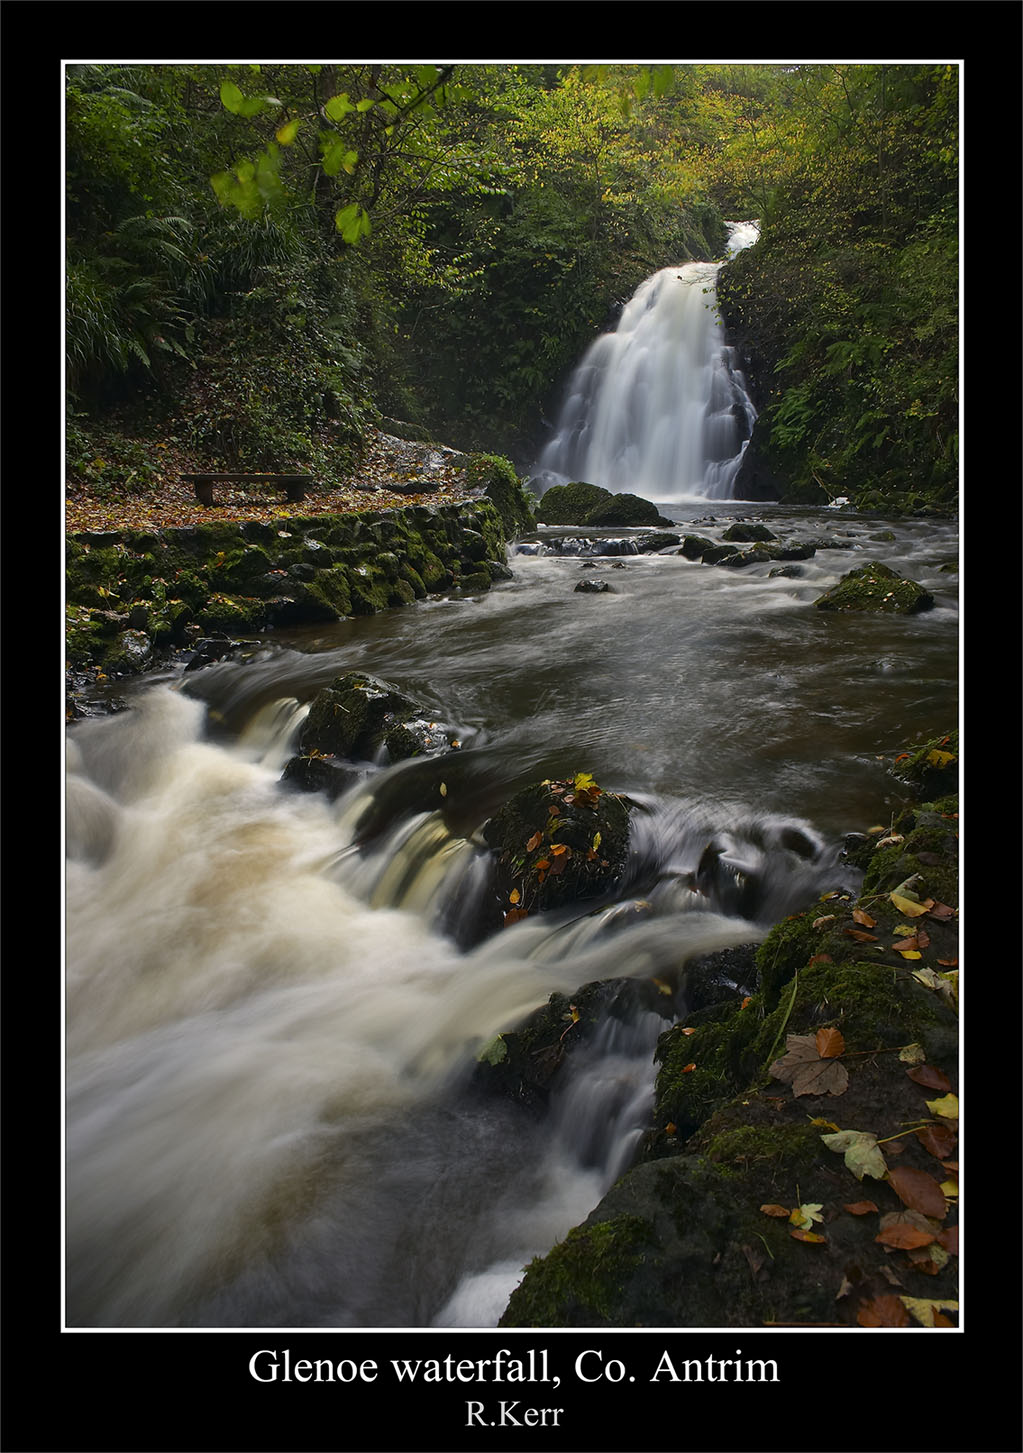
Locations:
(688, 1069)
(801, 1235)
(830, 1043)
(860, 935)
(906, 1229)
(941, 910)
(949, 1239)
(940, 1140)
(860, 915)
(775, 1210)
(917, 1190)
(534, 842)
(885, 1310)
(860, 1208)
(930, 1077)
(822, 1077)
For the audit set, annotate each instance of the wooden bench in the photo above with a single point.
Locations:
(294, 484)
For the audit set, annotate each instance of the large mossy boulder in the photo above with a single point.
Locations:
(360, 718)
(556, 843)
(875, 587)
(626, 509)
(571, 504)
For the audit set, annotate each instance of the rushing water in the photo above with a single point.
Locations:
(273, 1013)
(659, 407)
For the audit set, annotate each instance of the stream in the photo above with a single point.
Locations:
(274, 1009)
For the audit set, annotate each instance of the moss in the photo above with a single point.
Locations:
(874, 587)
(496, 477)
(580, 1282)
(570, 504)
(625, 509)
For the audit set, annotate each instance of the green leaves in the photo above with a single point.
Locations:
(352, 222)
(238, 104)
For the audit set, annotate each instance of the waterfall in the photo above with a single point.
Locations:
(659, 406)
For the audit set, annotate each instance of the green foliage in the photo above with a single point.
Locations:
(847, 306)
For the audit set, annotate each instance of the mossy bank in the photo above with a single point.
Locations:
(134, 593)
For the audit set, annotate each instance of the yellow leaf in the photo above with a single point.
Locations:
(913, 1054)
(950, 1189)
(907, 906)
(923, 1309)
(804, 1216)
(910, 953)
(947, 1107)
(940, 759)
(596, 841)
(443, 789)
(513, 896)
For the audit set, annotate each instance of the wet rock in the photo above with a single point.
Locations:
(570, 504)
(593, 587)
(745, 532)
(556, 844)
(362, 718)
(875, 587)
(626, 509)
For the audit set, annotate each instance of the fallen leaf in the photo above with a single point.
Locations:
(534, 842)
(917, 1190)
(688, 1069)
(801, 1235)
(809, 1074)
(860, 915)
(949, 1239)
(830, 1044)
(820, 922)
(862, 1155)
(926, 1311)
(942, 910)
(930, 1077)
(860, 935)
(947, 1107)
(940, 1140)
(806, 1215)
(860, 1208)
(904, 1230)
(689, 1029)
(912, 1054)
(513, 896)
(775, 1210)
(885, 1310)
(907, 906)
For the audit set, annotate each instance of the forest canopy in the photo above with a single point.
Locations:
(270, 258)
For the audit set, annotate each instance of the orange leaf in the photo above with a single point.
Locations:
(860, 1208)
(904, 1233)
(775, 1210)
(830, 1043)
(860, 935)
(514, 914)
(688, 1069)
(801, 1235)
(534, 842)
(513, 896)
(860, 915)
(885, 1310)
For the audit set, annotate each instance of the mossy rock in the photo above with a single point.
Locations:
(875, 587)
(570, 504)
(744, 532)
(556, 843)
(695, 546)
(627, 510)
(932, 769)
(496, 477)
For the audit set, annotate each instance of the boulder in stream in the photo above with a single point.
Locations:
(556, 843)
(875, 587)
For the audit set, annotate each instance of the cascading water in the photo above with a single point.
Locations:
(274, 1025)
(659, 407)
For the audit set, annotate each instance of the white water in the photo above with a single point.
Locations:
(659, 406)
(270, 1025)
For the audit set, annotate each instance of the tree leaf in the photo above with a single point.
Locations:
(830, 1043)
(534, 842)
(925, 1310)
(885, 1310)
(860, 1208)
(917, 1190)
(947, 1107)
(781, 1212)
(930, 1077)
(905, 1230)
(940, 1140)
(862, 1155)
